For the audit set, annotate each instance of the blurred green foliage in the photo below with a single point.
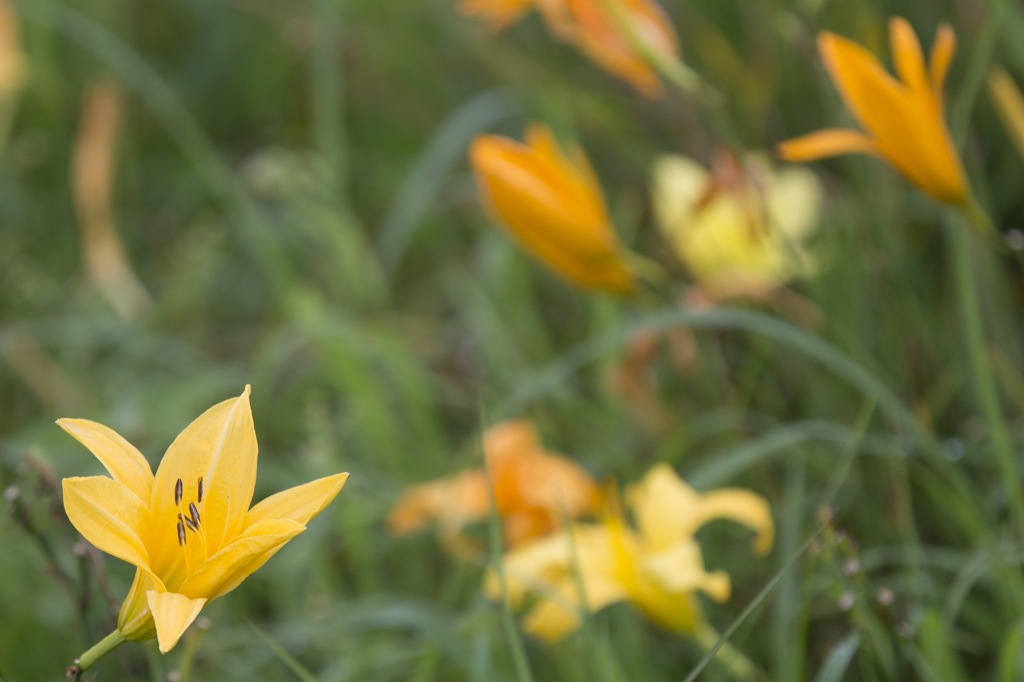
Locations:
(291, 191)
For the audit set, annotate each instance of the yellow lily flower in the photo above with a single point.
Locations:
(189, 529)
(904, 119)
(533, 490)
(552, 205)
(589, 26)
(657, 566)
(741, 227)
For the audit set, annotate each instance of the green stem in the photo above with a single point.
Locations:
(673, 70)
(101, 649)
(729, 656)
(979, 220)
(981, 370)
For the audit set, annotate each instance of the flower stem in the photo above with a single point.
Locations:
(979, 220)
(732, 658)
(101, 649)
(981, 370)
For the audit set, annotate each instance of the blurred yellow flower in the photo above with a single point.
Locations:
(657, 566)
(189, 530)
(904, 119)
(12, 60)
(1009, 104)
(552, 205)
(741, 226)
(533, 490)
(596, 29)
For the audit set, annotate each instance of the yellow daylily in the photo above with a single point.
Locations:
(741, 227)
(552, 205)
(903, 119)
(657, 566)
(188, 529)
(533, 490)
(595, 31)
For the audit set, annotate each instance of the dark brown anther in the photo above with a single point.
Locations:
(191, 526)
(181, 534)
(200, 495)
(179, 490)
(194, 512)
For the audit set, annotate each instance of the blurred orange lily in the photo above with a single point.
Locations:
(604, 30)
(552, 205)
(188, 529)
(657, 566)
(12, 59)
(533, 490)
(904, 119)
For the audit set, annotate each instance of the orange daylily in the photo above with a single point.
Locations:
(12, 59)
(903, 119)
(533, 490)
(592, 27)
(552, 205)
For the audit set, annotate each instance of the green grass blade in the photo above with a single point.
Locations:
(445, 151)
(838, 662)
(753, 605)
(282, 654)
(725, 319)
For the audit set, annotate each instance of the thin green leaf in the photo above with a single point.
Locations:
(761, 596)
(838, 662)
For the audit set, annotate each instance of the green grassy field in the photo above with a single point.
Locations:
(291, 191)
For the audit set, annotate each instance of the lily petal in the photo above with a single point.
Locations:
(680, 569)
(219, 447)
(173, 613)
(668, 510)
(124, 462)
(941, 57)
(907, 55)
(226, 569)
(109, 515)
(508, 439)
(825, 143)
(558, 611)
(876, 98)
(550, 208)
(741, 506)
(135, 621)
(454, 502)
(299, 504)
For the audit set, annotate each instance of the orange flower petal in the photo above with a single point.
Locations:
(942, 53)
(907, 55)
(551, 207)
(825, 143)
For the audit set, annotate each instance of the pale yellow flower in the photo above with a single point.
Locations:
(656, 565)
(1009, 104)
(533, 490)
(551, 203)
(740, 226)
(903, 119)
(189, 529)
